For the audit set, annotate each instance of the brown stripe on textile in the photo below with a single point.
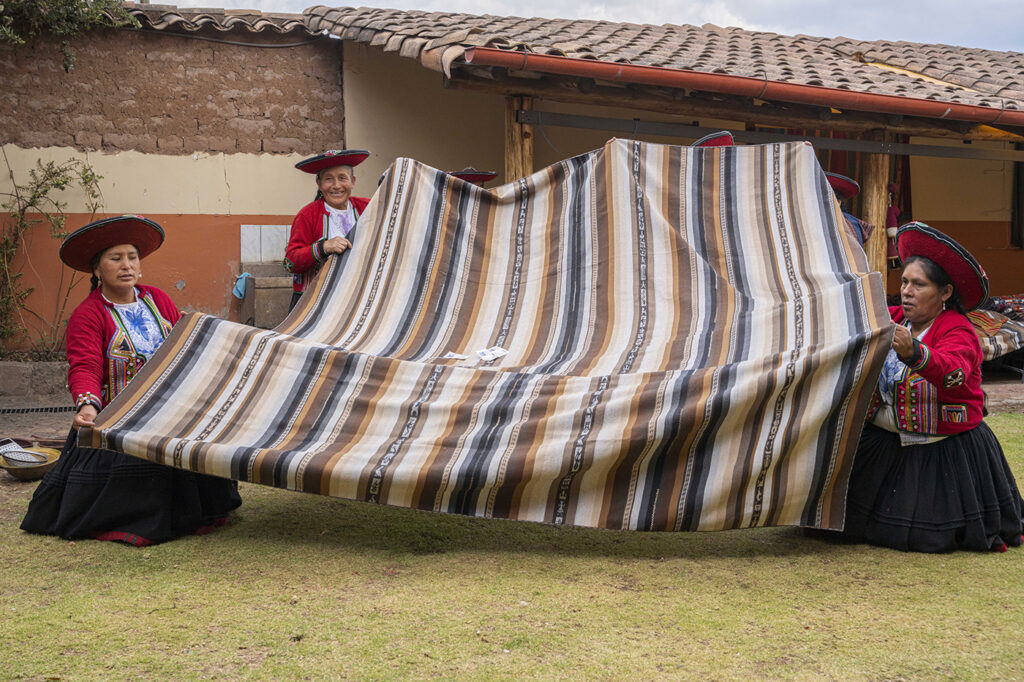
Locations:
(519, 455)
(186, 418)
(457, 411)
(380, 476)
(486, 386)
(543, 330)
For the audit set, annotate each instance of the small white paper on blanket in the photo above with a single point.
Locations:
(492, 353)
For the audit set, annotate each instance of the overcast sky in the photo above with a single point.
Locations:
(991, 24)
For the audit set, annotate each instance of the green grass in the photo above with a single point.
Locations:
(305, 586)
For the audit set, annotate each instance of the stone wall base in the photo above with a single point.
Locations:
(33, 379)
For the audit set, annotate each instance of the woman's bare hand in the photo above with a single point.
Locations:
(86, 416)
(903, 343)
(337, 245)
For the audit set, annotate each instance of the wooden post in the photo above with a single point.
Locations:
(874, 187)
(518, 139)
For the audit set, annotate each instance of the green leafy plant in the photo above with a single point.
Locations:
(27, 206)
(24, 21)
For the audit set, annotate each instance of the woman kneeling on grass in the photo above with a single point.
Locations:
(929, 475)
(93, 493)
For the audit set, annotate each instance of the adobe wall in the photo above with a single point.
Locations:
(167, 94)
(200, 136)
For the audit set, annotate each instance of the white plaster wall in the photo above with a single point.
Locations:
(961, 189)
(133, 182)
(396, 107)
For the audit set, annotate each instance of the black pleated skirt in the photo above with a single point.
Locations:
(957, 493)
(93, 493)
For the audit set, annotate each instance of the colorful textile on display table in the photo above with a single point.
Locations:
(641, 337)
(1011, 306)
(999, 335)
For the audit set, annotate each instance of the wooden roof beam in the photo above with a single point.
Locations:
(709, 105)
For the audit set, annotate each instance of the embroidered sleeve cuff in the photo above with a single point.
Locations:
(88, 399)
(288, 265)
(921, 357)
(318, 251)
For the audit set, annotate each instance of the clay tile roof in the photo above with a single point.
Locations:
(191, 19)
(945, 73)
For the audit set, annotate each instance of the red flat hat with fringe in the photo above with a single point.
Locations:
(80, 246)
(845, 187)
(470, 174)
(332, 158)
(969, 278)
(722, 138)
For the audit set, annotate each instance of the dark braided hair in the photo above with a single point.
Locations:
(94, 281)
(934, 272)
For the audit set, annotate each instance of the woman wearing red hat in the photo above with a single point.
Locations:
(98, 493)
(474, 176)
(845, 189)
(322, 228)
(929, 475)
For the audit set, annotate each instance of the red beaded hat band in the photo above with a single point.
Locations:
(969, 278)
(332, 158)
(80, 246)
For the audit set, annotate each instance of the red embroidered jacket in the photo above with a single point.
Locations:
(304, 254)
(101, 356)
(941, 393)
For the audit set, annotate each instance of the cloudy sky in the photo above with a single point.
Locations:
(991, 24)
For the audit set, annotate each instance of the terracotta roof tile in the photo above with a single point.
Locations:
(169, 17)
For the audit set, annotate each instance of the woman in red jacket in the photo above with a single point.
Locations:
(929, 475)
(323, 228)
(98, 493)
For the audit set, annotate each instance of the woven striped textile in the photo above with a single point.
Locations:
(691, 342)
(999, 335)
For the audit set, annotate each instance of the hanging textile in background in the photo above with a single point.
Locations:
(689, 338)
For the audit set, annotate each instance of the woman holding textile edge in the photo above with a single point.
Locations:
(929, 474)
(98, 493)
(322, 227)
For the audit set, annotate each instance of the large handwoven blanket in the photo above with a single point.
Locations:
(691, 341)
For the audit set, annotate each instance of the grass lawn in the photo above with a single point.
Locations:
(301, 586)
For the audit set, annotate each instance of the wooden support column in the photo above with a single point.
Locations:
(874, 187)
(518, 139)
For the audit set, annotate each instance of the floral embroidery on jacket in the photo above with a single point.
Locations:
(123, 359)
